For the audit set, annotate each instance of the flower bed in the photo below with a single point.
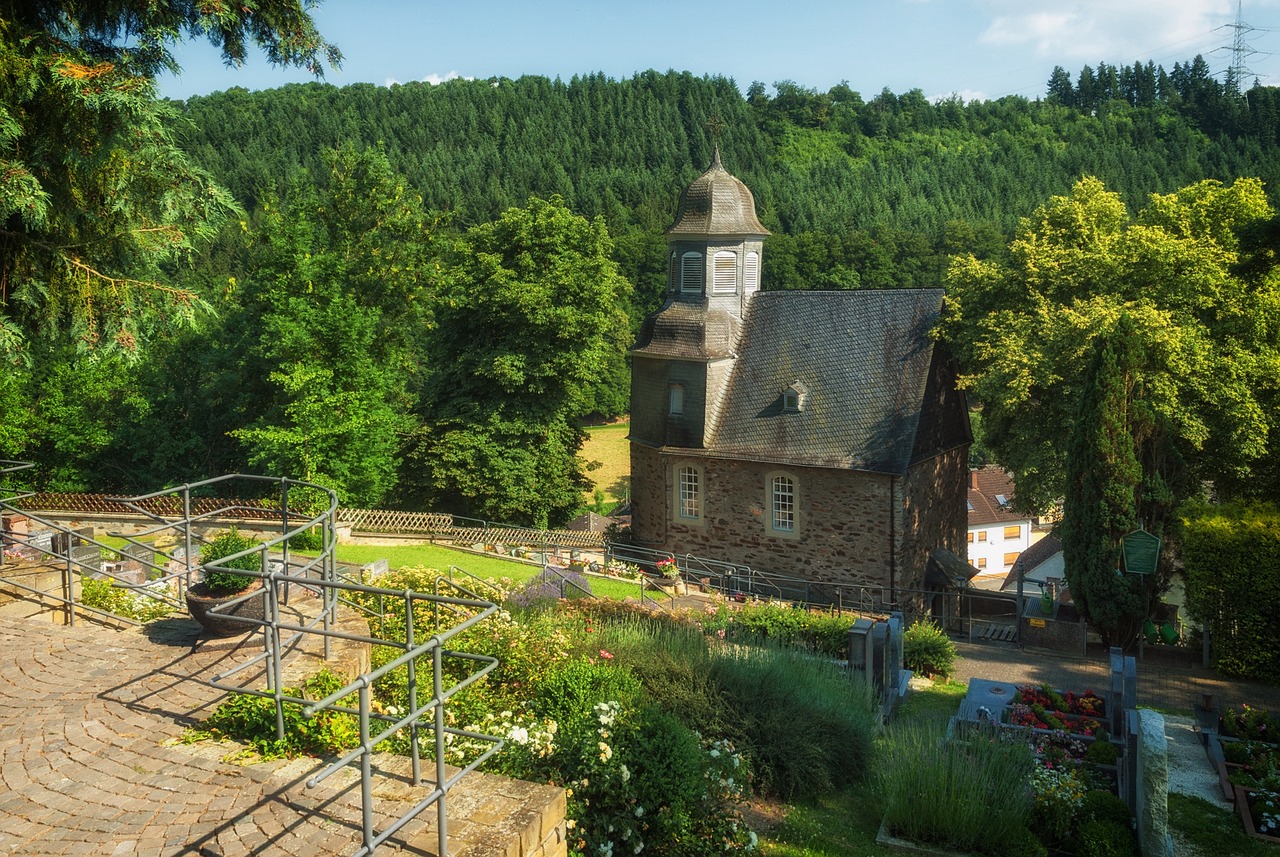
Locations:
(1260, 812)
(1041, 707)
(1037, 717)
(1249, 723)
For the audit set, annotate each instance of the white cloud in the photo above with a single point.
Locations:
(1116, 31)
(965, 95)
(433, 79)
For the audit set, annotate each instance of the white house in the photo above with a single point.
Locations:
(997, 534)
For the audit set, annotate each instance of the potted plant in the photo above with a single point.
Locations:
(670, 575)
(219, 587)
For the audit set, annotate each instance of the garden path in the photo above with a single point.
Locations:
(90, 761)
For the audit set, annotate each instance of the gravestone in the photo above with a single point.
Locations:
(879, 657)
(135, 562)
(1130, 683)
(374, 569)
(1115, 701)
(1152, 789)
(860, 647)
(40, 544)
(1129, 771)
(895, 676)
(87, 558)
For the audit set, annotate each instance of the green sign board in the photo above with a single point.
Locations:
(1141, 551)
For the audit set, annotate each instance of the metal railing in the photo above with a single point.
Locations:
(279, 571)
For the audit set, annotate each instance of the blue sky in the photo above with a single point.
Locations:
(972, 48)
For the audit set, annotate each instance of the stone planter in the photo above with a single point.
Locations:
(200, 601)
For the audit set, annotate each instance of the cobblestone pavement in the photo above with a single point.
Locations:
(89, 762)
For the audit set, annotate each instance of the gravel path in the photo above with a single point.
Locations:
(1190, 772)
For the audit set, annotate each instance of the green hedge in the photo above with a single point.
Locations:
(1232, 558)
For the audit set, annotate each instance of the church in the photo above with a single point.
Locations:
(810, 434)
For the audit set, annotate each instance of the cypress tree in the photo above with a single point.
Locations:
(1103, 479)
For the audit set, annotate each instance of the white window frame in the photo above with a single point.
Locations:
(782, 504)
(751, 273)
(675, 400)
(691, 273)
(782, 494)
(688, 492)
(724, 273)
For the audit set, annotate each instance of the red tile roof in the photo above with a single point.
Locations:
(986, 485)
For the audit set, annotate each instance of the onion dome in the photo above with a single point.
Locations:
(716, 203)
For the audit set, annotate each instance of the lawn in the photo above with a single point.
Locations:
(608, 445)
(481, 565)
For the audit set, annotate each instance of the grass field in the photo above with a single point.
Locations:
(608, 445)
(481, 565)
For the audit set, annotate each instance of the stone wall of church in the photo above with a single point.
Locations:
(933, 512)
(842, 527)
(648, 497)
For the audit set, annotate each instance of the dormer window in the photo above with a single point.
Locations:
(691, 273)
(725, 273)
(675, 400)
(793, 398)
(751, 273)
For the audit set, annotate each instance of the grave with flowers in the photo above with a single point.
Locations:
(1245, 747)
(1091, 749)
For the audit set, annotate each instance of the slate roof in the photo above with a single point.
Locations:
(716, 203)
(686, 331)
(864, 357)
(984, 505)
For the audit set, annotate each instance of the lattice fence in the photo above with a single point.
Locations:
(432, 525)
(169, 506)
(435, 525)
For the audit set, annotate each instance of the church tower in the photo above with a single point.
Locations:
(686, 350)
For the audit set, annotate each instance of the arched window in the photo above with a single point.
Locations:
(782, 493)
(689, 501)
(751, 273)
(725, 273)
(691, 272)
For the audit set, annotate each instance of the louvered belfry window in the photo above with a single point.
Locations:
(751, 274)
(725, 273)
(691, 272)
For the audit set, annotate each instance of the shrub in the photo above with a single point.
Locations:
(548, 587)
(927, 650)
(252, 719)
(1106, 839)
(820, 633)
(227, 582)
(1102, 805)
(807, 728)
(571, 689)
(104, 595)
(308, 540)
(1233, 583)
(967, 796)
(1102, 752)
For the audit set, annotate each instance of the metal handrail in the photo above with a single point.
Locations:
(272, 625)
(279, 571)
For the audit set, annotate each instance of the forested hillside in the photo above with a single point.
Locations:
(873, 192)
(428, 288)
